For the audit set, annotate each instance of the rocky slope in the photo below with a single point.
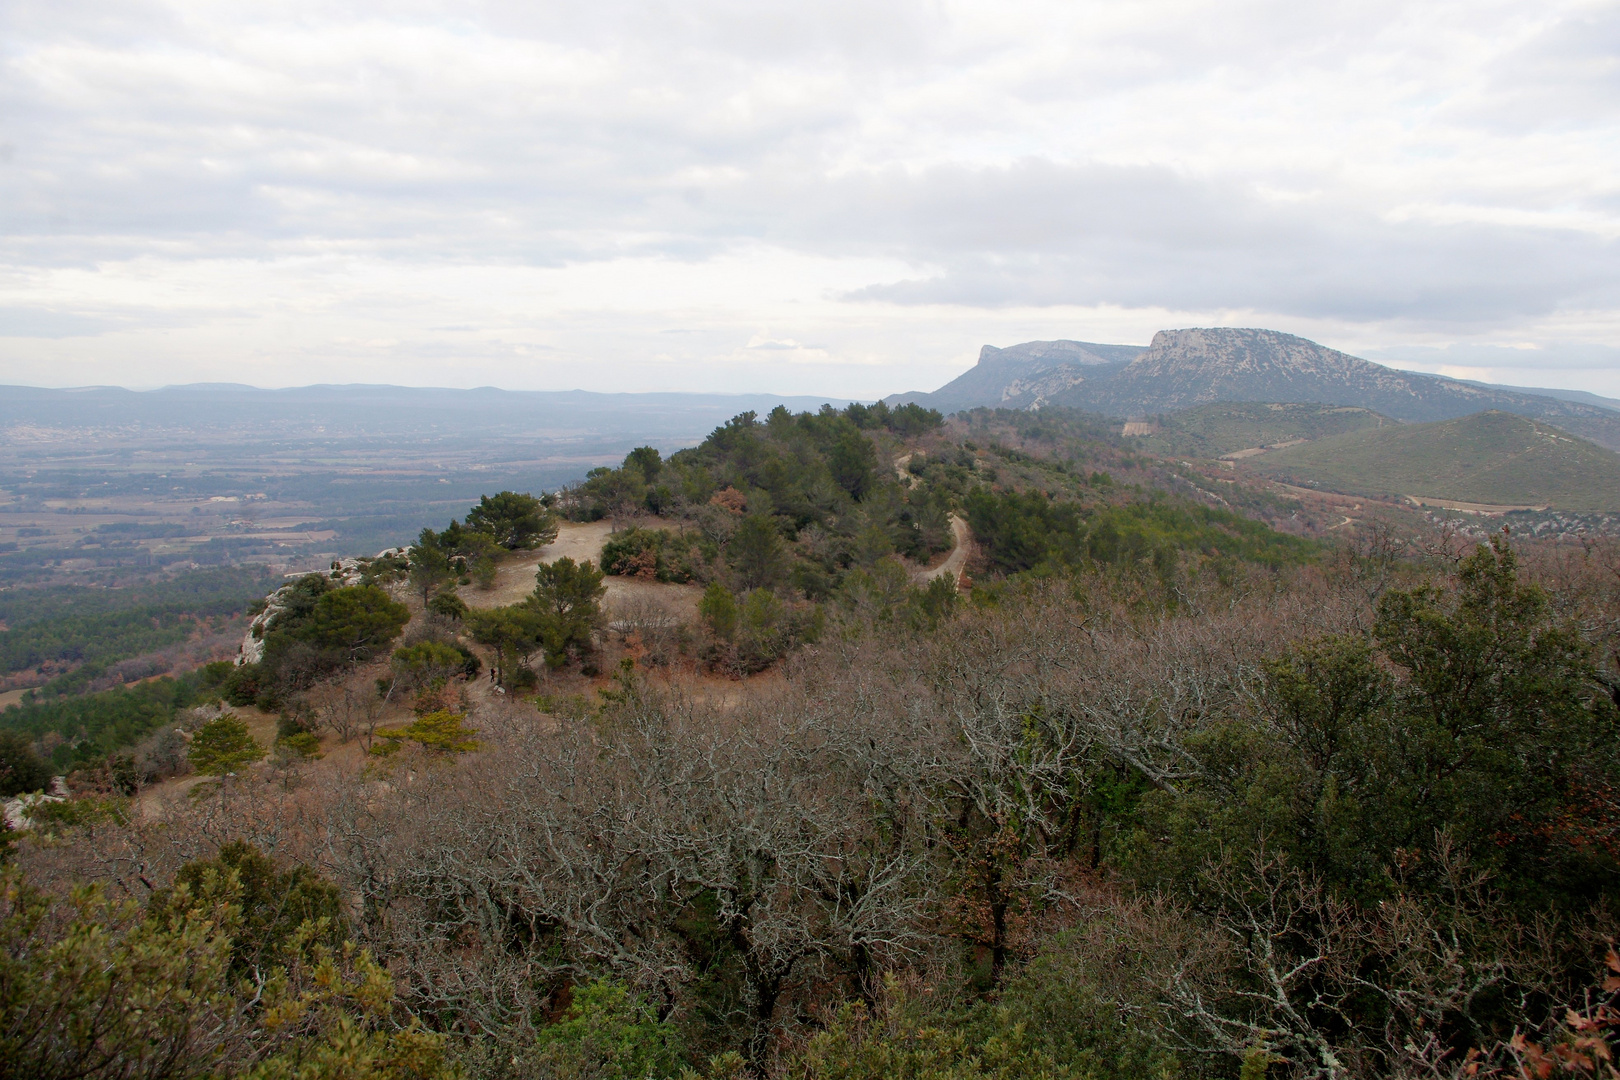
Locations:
(1025, 376)
(1183, 369)
(1186, 368)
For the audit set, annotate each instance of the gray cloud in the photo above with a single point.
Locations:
(1144, 236)
(1564, 75)
(39, 323)
(1377, 164)
(1556, 358)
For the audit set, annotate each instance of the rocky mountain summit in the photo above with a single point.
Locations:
(1026, 376)
(1183, 369)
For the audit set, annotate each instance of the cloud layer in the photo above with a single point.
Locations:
(841, 198)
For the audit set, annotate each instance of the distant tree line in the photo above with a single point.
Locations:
(67, 625)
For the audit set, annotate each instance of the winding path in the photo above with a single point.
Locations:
(957, 559)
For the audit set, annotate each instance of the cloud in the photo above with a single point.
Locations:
(39, 323)
(1036, 233)
(272, 184)
(1558, 76)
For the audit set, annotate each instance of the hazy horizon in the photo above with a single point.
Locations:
(795, 397)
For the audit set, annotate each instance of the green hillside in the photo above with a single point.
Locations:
(1225, 427)
(1490, 457)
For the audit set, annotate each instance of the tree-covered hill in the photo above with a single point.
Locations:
(790, 523)
(793, 498)
(1165, 792)
(1209, 431)
(75, 632)
(800, 501)
(1491, 457)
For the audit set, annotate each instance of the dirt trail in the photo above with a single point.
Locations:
(900, 466)
(956, 561)
(625, 595)
(1467, 507)
(515, 578)
(152, 802)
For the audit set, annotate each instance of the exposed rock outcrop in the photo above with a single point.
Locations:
(347, 571)
(1025, 376)
(1182, 369)
(16, 810)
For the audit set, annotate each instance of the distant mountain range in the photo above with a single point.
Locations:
(1183, 369)
(1546, 391)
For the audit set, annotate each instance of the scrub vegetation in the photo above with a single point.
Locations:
(1494, 458)
(1149, 789)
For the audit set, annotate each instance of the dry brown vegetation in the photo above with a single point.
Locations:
(966, 810)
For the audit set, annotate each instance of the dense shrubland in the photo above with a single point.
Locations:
(81, 731)
(320, 628)
(1027, 531)
(1164, 794)
(1350, 819)
(791, 501)
(81, 635)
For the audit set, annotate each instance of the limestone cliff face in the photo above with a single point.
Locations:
(1025, 376)
(344, 572)
(1185, 368)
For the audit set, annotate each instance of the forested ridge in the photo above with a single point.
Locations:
(64, 627)
(1153, 790)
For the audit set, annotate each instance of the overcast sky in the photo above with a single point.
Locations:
(845, 197)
